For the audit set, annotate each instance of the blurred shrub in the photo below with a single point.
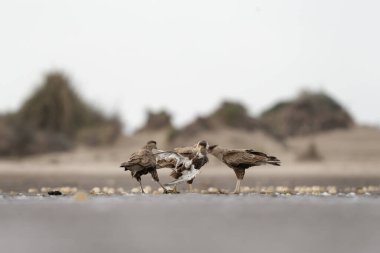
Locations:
(55, 118)
(235, 115)
(311, 154)
(157, 121)
(308, 114)
(228, 114)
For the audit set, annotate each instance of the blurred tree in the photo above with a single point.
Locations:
(309, 113)
(54, 118)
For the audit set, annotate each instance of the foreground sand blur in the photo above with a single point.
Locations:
(191, 223)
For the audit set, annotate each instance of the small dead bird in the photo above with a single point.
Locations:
(198, 155)
(182, 167)
(241, 159)
(143, 162)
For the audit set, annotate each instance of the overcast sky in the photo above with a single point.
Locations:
(186, 56)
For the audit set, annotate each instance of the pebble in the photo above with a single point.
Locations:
(54, 193)
(137, 190)
(32, 190)
(213, 190)
(95, 191)
(80, 196)
(148, 189)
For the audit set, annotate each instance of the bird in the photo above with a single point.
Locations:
(241, 159)
(182, 167)
(198, 155)
(143, 162)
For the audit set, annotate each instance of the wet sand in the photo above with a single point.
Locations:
(190, 223)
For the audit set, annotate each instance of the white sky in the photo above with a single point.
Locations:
(186, 56)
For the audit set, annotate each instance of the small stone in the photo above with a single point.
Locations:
(32, 190)
(80, 196)
(110, 191)
(121, 190)
(213, 190)
(148, 189)
(95, 191)
(204, 192)
(137, 190)
(65, 190)
(245, 189)
(45, 189)
(55, 193)
(332, 190)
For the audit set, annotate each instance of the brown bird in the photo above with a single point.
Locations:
(143, 162)
(241, 159)
(198, 155)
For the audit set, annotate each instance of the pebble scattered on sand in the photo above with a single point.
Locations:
(80, 196)
(95, 191)
(284, 191)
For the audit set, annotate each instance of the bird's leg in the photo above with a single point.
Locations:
(190, 184)
(165, 190)
(190, 187)
(239, 175)
(155, 178)
(237, 187)
(142, 189)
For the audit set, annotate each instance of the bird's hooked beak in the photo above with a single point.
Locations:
(211, 148)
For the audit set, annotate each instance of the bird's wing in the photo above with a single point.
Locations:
(168, 159)
(143, 157)
(186, 176)
(189, 152)
(235, 157)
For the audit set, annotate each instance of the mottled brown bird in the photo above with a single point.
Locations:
(143, 162)
(197, 154)
(241, 159)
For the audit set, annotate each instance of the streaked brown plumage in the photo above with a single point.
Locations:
(143, 162)
(241, 159)
(198, 155)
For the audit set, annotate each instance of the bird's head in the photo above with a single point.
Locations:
(202, 146)
(211, 148)
(151, 145)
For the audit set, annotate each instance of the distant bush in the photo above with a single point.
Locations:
(54, 118)
(234, 115)
(157, 121)
(308, 114)
(228, 114)
(310, 154)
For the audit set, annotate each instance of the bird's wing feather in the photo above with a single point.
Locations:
(234, 157)
(168, 159)
(188, 152)
(186, 176)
